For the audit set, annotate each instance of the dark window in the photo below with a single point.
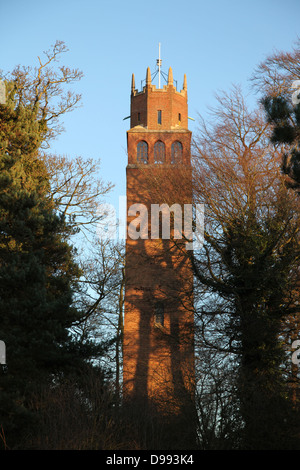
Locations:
(176, 152)
(179, 117)
(159, 116)
(139, 117)
(159, 313)
(142, 152)
(159, 152)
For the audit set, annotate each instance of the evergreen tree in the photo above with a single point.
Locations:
(286, 120)
(38, 274)
(246, 273)
(275, 79)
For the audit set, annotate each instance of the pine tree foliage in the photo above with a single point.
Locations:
(286, 120)
(275, 79)
(38, 274)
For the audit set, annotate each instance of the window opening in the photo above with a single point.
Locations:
(159, 313)
(142, 152)
(176, 152)
(159, 152)
(159, 116)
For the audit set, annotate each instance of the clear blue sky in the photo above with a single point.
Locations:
(217, 43)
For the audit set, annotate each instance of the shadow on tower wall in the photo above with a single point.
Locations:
(159, 358)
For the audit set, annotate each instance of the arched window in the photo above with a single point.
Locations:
(159, 313)
(176, 152)
(142, 152)
(159, 152)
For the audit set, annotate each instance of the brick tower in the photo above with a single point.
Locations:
(158, 325)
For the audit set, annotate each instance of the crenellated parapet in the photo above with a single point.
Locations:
(159, 108)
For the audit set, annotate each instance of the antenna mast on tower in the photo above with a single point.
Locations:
(158, 71)
(158, 62)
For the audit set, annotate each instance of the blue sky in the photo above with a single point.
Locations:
(216, 43)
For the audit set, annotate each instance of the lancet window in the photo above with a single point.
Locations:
(176, 152)
(159, 152)
(142, 152)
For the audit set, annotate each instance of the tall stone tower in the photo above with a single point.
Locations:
(158, 324)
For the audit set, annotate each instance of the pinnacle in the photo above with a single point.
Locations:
(170, 77)
(184, 83)
(132, 83)
(148, 77)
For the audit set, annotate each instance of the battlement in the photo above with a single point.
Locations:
(164, 89)
(159, 108)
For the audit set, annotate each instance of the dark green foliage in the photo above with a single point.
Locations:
(38, 275)
(286, 120)
(259, 259)
(260, 265)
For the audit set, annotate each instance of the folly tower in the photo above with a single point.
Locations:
(158, 322)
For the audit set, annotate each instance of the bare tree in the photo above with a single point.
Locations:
(77, 189)
(75, 185)
(246, 272)
(101, 297)
(42, 88)
(274, 76)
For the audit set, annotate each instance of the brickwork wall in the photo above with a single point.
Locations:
(144, 107)
(151, 137)
(158, 359)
